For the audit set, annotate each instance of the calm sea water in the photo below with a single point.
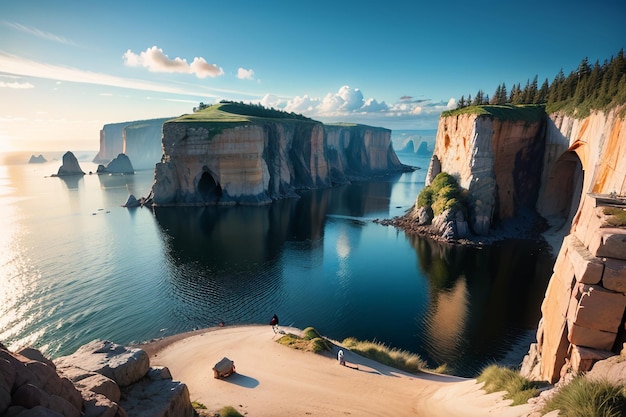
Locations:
(76, 266)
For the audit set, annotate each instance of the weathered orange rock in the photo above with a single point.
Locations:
(614, 277)
(594, 307)
(582, 359)
(592, 338)
(587, 268)
(608, 242)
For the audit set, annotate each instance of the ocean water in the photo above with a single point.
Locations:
(76, 266)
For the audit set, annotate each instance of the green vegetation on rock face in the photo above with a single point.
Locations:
(617, 217)
(232, 112)
(526, 112)
(442, 194)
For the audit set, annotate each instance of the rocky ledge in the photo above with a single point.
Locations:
(101, 379)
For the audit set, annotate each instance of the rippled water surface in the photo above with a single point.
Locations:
(75, 266)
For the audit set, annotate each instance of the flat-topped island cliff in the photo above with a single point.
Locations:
(232, 153)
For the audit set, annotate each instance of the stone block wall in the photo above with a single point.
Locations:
(584, 306)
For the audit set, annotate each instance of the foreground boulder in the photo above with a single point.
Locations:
(101, 379)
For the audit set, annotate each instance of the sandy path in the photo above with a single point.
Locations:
(274, 380)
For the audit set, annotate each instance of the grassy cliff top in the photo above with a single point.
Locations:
(524, 112)
(231, 112)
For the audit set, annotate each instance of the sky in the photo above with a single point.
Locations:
(69, 67)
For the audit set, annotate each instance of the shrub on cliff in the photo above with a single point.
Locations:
(442, 194)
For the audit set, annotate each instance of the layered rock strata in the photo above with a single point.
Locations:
(498, 162)
(206, 163)
(583, 309)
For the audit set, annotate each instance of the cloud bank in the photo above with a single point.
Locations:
(349, 103)
(156, 61)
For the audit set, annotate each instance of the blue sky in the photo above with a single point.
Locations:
(68, 67)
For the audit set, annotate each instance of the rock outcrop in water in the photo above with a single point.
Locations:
(120, 165)
(221, 155)
(37, 159)
(140, 140)
(101, 379)
(70, 166)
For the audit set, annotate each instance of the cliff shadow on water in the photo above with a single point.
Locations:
(484, 303)
(321, 260)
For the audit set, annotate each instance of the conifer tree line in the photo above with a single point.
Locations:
(589, 87)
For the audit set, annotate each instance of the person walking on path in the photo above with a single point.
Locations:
(274, 323)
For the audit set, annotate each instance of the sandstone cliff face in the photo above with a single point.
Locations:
(583, 309)
(498, 162)
(140, 140)
(255, 163)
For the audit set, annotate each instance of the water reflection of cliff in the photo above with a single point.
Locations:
(228, 262)
(476, 294)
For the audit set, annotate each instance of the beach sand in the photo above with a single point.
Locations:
(275, 380)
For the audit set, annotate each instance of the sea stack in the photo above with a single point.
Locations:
(70, 166)
(119, 165)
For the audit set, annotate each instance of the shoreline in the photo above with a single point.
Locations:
(275, 380)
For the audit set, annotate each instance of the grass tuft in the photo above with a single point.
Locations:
(311, 341)
(198, 405)
(516, 387)
(400, 359)
(617, 217)
(228, 411)
(585, 398)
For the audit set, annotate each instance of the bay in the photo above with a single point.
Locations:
(76, 266)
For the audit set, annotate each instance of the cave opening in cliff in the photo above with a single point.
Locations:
(563, 191)
(208, 189)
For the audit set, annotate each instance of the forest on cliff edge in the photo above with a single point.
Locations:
(589, 87)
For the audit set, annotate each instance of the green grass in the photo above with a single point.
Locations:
(617, 217)
(399, 359)
(198, 405)
(515, 386)
(442, 194)
(525, 112)
(586, 398)
(311, 341)
(228, 411)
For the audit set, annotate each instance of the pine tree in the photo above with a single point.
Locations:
(542, 94)
(496, 95)
(502, 98)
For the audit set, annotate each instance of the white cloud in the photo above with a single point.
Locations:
(39, 33)
(155, 60)
(13, 64)
(244, 74)
(270, 100)
(451, 104)
(16, 85)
